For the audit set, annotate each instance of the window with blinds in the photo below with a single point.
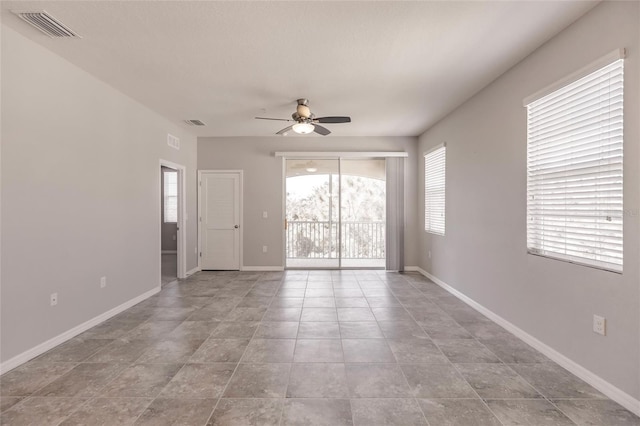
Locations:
(170, 197)
(434, 190)
(574, 170)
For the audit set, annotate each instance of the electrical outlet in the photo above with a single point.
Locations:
(264, 249)
(265, 214)
(103, 282)
(54, 299)
(599, 325)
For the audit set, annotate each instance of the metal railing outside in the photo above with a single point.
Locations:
(319, 240)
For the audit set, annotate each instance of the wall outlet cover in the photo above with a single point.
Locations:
(599, 325)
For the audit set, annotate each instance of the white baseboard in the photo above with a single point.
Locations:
(193, 271)
(415, 269)
(27, 355)
(262, 268)
(616, 394)
(169, 251)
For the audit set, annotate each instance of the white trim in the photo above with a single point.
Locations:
(182, 217)
(240, 206)
(582, 72)
(616, 394)
(199, 220)
(340, 154)
(29, 354)
(284, 211)
(193, 271)
(415, 269)
(262, 268)
(169, 251)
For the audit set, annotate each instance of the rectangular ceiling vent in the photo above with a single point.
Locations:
(194, 123)
(47, 24)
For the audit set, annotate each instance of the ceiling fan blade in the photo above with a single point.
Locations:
(321, 130)
(274, 119)
(285, 130)
(332, 120)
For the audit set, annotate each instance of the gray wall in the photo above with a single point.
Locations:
(263, 183)
(169, 230)
(483, 254)
(80, 195)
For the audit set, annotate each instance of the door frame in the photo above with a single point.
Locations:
(328, 155)
(181, 255)
(240, 173)
(284, 213)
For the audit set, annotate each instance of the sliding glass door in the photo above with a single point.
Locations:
(362, 213)
(335, 213)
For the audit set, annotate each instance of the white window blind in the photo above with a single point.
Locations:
(170, 197)
(574, 171)
(434, 190)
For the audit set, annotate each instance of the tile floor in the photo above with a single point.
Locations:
(169, 268)
(300, 348)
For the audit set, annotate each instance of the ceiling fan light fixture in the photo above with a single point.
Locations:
(305, 121)
(303, 128)
(311, 169)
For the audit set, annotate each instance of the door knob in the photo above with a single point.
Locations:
(236, 226)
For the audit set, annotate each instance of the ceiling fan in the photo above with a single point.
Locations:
(306, 122)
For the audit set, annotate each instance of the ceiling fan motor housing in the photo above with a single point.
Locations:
(303, 111)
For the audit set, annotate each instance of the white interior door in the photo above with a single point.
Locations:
(220, 220)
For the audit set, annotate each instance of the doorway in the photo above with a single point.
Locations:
(220, 219)
(172, 243)
(335, 213)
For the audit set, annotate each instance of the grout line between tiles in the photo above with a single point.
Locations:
(467, 382)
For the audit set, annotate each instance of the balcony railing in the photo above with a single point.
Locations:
(319, 240)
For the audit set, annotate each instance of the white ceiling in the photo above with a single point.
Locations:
(394, 67)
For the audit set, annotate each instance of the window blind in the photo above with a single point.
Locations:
(434, 190)
(574, 170)
(170, 197)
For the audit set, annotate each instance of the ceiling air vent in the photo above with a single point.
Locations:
(194, 122)
(47, 24)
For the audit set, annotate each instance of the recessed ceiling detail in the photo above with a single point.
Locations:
(47, 24)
